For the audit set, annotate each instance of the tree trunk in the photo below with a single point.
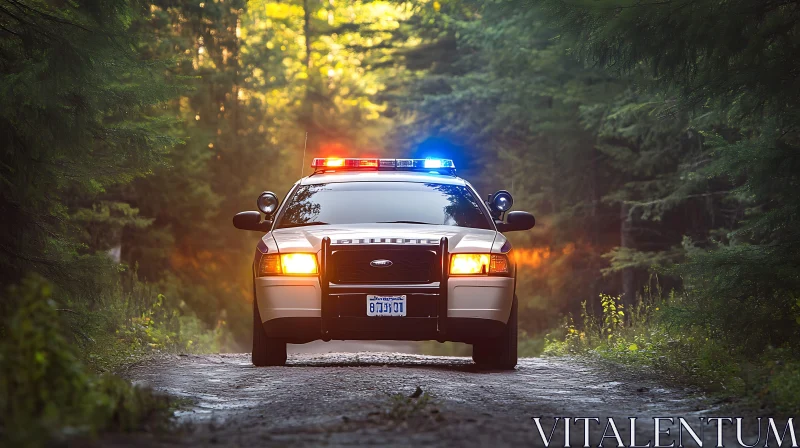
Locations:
(626, 241)
(307, 111)
(307, 36)
(595, 225)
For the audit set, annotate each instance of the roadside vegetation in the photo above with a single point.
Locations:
(58, 360)
(56, 379)
(655, 334)
(82, 119)
(652, 334)
(646, 137)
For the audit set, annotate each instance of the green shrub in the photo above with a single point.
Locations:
(45, 389)
(647, 336)
(132, 319)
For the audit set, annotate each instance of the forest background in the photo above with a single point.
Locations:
(655, 141)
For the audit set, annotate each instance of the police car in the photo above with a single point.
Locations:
(384, 249)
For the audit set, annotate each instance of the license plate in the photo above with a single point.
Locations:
(386, 305)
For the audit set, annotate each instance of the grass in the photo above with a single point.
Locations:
(57, 359)
(137, 321)
(647, 335)
(419, 408)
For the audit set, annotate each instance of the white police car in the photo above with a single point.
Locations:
(392, 249)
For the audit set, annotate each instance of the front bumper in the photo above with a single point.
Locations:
(299, 330)
(468, 297)
(476, 308)
(462, 309)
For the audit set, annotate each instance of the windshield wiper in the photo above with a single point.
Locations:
(303, 224)
(407, 222)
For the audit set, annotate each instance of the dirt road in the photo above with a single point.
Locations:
(364, 399)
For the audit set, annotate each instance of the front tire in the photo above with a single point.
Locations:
(501, 352)
(266, 351)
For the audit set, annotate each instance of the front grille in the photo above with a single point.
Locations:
(408, 266)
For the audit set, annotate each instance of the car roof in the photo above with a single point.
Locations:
(332, 176)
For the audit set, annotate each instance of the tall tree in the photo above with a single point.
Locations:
(600, 162)
(508, 101)
(77, 116)
(192, 198)
(731, 66)
(319, 67)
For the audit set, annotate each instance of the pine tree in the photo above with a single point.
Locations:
(76, 118)
(509, 100)
(732, 67)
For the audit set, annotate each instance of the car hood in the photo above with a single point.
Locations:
(309, 239)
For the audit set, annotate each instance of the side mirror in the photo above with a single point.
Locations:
(516, 221)
(251, 221)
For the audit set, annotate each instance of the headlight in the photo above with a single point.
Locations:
(289, 264)
(461, 264)
(476, 264)
(299, 263)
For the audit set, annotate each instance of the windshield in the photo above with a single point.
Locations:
(383, 202)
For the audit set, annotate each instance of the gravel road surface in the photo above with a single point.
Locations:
(366, 399)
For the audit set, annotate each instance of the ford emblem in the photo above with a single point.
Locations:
(380, 263)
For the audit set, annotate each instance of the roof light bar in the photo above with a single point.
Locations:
(320, 163)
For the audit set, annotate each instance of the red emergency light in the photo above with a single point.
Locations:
(437, 165)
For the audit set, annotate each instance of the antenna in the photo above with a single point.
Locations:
(305, 144)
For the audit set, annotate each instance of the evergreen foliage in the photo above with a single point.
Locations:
(644, 135)
(729, 66)
(76, 118)
(46, 392)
